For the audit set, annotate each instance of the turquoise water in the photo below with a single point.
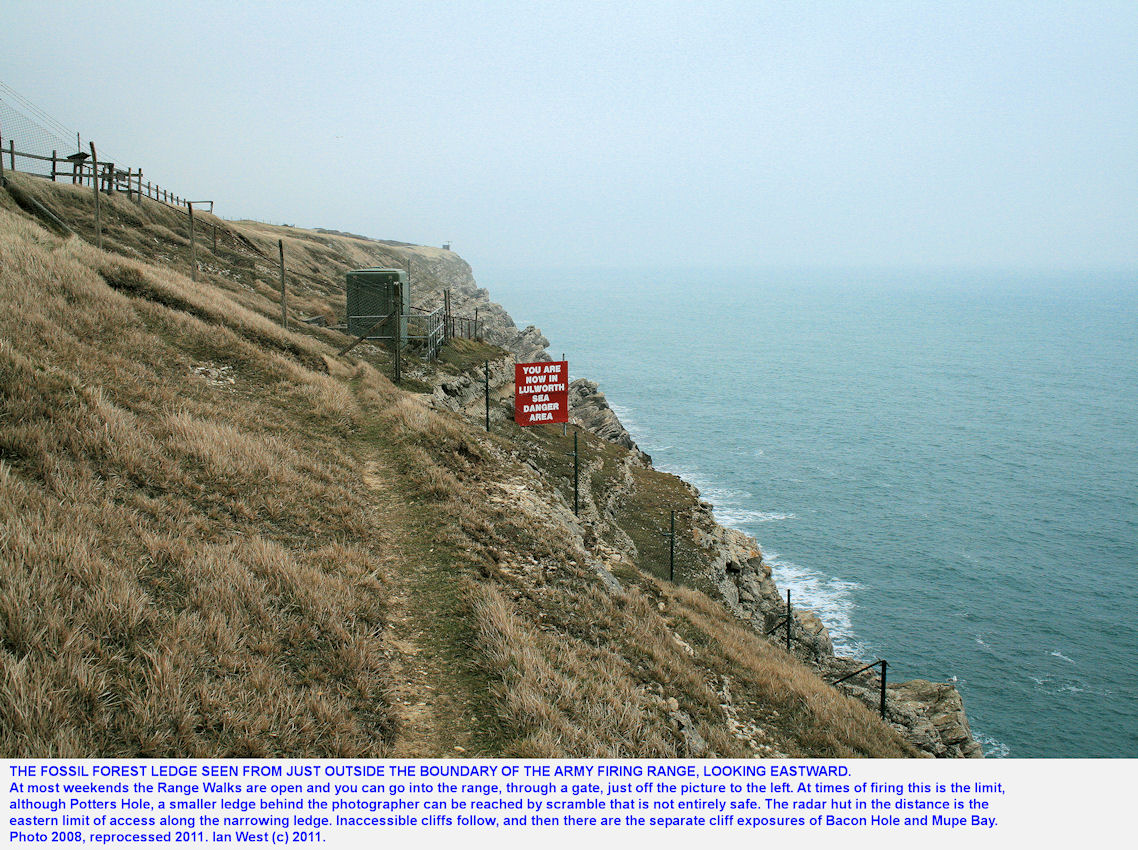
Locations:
(943, 467)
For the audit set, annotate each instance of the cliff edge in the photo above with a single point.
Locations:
(222, 538)
(930, 715)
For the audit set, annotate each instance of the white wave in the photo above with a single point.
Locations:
(829, 597)
(724, 499)
(993, 749)
(1057, 654)
(632, 425)
(1076, 686)
(739, 517)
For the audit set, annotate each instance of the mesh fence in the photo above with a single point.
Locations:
(30, 137)
(26, 129)
(31, 130)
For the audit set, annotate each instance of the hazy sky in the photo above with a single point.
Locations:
(621, 134)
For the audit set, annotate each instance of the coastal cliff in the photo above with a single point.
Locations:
(222, 538)
(930, 715)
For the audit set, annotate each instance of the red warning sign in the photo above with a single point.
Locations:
(541, 392)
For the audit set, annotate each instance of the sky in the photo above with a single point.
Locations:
(754, 134)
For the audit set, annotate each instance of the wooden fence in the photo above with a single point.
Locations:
(77, 169)
(437, 326)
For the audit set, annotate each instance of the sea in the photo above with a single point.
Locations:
(943, 465)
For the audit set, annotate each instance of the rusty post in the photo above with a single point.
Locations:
(193, 247)
(284, 294)
(789, 620)
(671, 535)
(95, 185)
(576, 476)
(397, 334)
(884, 664)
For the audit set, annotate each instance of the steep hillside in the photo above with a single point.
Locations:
(218, 538)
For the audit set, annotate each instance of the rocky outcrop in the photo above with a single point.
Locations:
(746, 585)
(466, 393)
(589, 408)
(930, 715)
(436, 271)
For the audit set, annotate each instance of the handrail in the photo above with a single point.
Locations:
(884, 664)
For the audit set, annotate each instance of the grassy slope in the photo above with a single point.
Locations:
(218, 539)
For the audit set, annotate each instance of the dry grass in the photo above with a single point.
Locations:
(184, 569)
(195, 565)
(561, 696)
(813, 717)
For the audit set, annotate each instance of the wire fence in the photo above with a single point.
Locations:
(37, 131)
(32, 142)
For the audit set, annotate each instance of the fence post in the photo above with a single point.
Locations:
(193, 247)
(672, 549)
(95, 184)
(53, 160)
(486, 367)
(448, 329)
(884, 664)
(397, 334)
(284, 293)
(2, 180)
(12, 154)
(215, 238)
(789, 620)
(576, 475)
(138, 197)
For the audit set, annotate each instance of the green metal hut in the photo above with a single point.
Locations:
(371, 296)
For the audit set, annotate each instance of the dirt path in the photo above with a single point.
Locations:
(434, 701)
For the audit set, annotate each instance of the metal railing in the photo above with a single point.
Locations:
(883, 664)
